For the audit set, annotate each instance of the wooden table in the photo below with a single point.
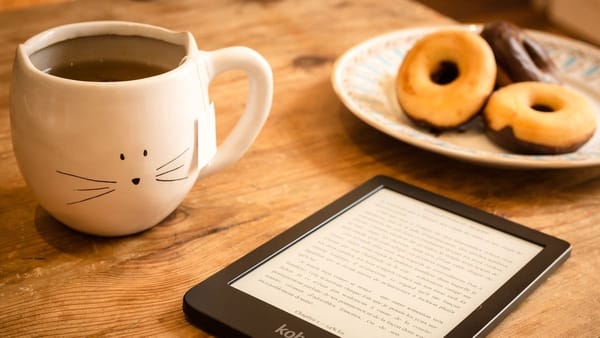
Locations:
(55, 281)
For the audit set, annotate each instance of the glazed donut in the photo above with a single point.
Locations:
(445, 79)
(518, 57)
(539, 118)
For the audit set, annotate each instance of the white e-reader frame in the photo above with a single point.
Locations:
(385, 260)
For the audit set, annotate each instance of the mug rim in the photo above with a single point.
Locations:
(95, 28)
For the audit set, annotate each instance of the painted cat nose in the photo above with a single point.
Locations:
(135, 181)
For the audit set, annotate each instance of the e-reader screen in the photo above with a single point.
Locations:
(388, 264)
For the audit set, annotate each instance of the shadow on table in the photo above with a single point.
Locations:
(64, 238)
(67, 240)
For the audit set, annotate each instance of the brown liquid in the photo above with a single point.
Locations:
(105, 70)
(102, 58)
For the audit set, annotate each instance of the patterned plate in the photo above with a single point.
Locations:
(364, 79)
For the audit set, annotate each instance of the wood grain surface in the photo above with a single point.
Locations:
(58, 282)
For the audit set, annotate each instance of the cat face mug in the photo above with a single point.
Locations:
(112, 123)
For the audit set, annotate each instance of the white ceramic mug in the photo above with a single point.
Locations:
(116, 158)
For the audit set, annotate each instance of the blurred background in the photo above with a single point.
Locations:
(575, 18)
(578, 19)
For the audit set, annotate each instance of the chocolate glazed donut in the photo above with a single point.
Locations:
(518, 57)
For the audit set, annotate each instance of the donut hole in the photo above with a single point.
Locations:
(546, 103)
(445, 72)
(544, 108)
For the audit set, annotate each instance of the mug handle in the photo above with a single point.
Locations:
(258, 102)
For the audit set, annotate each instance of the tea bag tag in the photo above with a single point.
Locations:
(205, 138)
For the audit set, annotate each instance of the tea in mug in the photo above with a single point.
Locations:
(105, 71)
(108, 58)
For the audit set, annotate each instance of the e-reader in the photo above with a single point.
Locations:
(387, 259)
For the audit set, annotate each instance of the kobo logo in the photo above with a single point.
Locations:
(287, 333)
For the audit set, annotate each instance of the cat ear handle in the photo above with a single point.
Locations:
(258, 101)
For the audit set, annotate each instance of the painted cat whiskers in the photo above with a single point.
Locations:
(102, 188)
(165, 166)
(109, 186)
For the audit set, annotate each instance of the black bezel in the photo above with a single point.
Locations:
(217, 307)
